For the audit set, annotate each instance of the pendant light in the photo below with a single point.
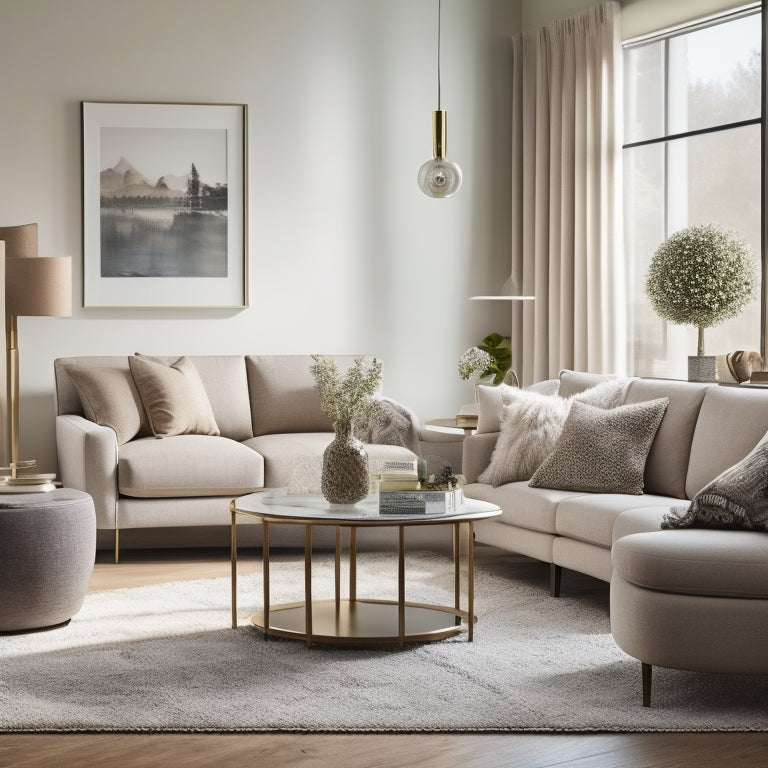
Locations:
(439, 177)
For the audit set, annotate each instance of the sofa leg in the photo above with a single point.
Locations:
(555, 573)
(117, 546)
(647, 675)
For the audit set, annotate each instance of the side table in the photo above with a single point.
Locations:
(47, 552)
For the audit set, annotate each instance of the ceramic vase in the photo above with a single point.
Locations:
(345, 478)
(702, 368)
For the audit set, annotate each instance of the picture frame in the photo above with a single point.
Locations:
(164, 205)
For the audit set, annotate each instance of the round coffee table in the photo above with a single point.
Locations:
(353, 621)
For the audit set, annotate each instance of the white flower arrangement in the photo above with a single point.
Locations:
(474, 364)
(701, 276)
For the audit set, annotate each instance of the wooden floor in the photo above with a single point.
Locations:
(339, 751)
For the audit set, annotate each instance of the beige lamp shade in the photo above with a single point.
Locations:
(20, 241)
(38, 286)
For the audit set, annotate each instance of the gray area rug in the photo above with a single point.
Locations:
(164, 658)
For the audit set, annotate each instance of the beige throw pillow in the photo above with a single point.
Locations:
(109, 398)
(174, 397)
(602, 451)
(530, 425)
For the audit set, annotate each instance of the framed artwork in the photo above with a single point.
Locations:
(164, 205)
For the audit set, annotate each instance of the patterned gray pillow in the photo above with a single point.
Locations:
(736, 498)
(602, 451)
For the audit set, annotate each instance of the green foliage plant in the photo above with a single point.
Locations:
(700, 276)
(349, 398)
(490, 359)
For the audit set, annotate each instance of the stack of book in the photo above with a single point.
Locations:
(420, 502)
(397, 476)
(466, 420)
(759, 377)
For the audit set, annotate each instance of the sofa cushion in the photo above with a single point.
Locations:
(295, 460)
(602, 451)
(737, 498)
(109, 398)
(731, 422)
(592, 518)
(283, 395)
(188, 465)
(695, 562)
(531, 424)
(641, 519)
(667, 464)
(226, 384)
(174, 397)
(523, 506)
(573, 382)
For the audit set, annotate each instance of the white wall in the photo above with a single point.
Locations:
(346, 255)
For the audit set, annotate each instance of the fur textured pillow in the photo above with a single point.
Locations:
(531, 424)
(737, 498)
(602, 451)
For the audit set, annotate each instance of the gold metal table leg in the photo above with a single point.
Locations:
(308, 584)
(470, 581)
(265, 574)
(457, 569)
(337, 569)
(352, 563)
(401, 583)
(233, 553)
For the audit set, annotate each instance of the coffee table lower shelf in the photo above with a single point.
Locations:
(363, 622)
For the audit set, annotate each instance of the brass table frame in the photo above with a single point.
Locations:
(353, 621)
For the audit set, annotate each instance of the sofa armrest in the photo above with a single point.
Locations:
(476, 455)
(87, 456)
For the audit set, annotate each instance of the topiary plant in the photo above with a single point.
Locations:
(700, 276)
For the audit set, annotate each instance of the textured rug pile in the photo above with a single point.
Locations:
(164, 658)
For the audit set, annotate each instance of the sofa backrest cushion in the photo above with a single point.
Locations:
(226, 383)
(667, 465)
(731, 422)
(223, 376)
(283, 394)
(573, 382)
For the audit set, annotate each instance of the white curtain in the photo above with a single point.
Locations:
(566, 197)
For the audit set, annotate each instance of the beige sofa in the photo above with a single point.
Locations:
(269, 432)
(692, 599)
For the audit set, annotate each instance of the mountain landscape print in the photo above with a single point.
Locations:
(163, 203)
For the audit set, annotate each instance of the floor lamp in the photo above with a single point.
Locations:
(508, 293)
(34, 286)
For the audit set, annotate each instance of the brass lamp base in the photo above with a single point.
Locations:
(25, 483)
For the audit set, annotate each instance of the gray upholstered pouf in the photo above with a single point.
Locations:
(47, 552)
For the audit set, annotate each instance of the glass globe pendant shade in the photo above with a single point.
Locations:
(439, 177)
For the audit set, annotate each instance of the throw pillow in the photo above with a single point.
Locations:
(602, 451)
(109, 398)
(736, 498)
(490, 405)
(174, 397)
(531, 423)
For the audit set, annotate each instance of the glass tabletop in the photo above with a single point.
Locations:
(278, 504)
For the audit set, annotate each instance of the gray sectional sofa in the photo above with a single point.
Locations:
(257, 423)
(692, 598)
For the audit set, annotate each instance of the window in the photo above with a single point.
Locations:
(692, 155)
